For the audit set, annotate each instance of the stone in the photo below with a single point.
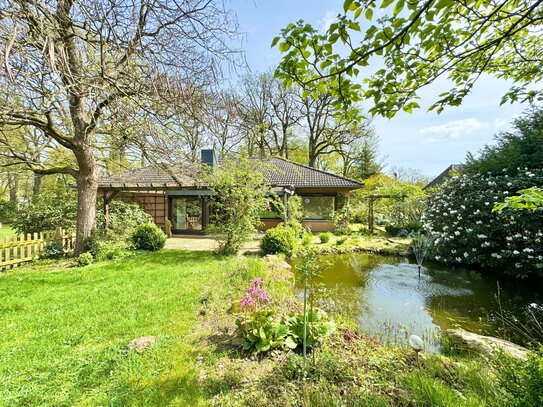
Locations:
(487, 345)
(276, 263)
(141, 344)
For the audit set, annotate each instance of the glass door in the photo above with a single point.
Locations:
(186, 213)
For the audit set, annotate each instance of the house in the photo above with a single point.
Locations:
(179, 194)
(441, 178)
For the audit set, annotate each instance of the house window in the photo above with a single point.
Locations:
(271, 211)
(318, 207)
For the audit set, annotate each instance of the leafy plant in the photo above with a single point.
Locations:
(85, 259)
(406, 228)
(46, 212)
(318, 327)
(279, 240)
(261, 332)
(324, 237)
(53, 250)
(123, 218)
(530, 198)
(148, 237)
(7, 211)
(521, 380)
(307, 239)
(341, 218)
(239, 198)
(295, 210)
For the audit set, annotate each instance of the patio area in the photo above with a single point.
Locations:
(204, 243)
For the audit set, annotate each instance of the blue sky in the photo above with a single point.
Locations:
(422, 140)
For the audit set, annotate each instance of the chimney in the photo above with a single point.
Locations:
(209, 157)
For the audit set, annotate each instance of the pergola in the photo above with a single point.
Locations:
(371, 201)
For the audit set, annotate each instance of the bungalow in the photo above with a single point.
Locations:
(178, 194)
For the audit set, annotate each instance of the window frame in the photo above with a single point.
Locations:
(319, 194)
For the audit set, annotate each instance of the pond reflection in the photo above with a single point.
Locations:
(385, 296)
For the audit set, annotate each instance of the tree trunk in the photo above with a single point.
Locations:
(312, 156)
(87, 188)
(36, 185)
(13, 183)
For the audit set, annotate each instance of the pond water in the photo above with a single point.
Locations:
(385, 296)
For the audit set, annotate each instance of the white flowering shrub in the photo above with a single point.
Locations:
(468, 233)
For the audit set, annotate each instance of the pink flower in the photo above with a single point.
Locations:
(247, 302)
(257, 283)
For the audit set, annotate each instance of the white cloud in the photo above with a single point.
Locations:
(325, 22)
(451, 130)
(500, 122)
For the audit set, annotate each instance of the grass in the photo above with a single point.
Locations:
(361, 241)
(66, 330)
(65, 333)
(6, 231)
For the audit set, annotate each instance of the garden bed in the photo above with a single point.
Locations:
(67, 332)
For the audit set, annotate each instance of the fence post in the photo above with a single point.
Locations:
(59, 237)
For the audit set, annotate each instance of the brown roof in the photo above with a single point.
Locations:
(276, 171)
(280, 172)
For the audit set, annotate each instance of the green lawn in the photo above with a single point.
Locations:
(6, 231)
(65, 331)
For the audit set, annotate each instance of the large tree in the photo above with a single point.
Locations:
(401, 46)
(71, 65)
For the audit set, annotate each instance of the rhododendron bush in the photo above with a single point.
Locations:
(468, 233)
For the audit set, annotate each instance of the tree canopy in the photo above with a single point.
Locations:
(515, 150)
(400, 46)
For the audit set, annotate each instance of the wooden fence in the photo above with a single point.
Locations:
(20, 249)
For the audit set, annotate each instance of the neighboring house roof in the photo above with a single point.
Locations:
(276, 171)
(440, 179)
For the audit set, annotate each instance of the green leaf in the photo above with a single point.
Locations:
(284, 47)
(357, 12)
(386, 3)
(354, 26)
(275, 41)
(399, 7)
(347, 5)
(289, 342)
(369, 14)
(326, 63)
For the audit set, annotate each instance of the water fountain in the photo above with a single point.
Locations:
(421, 243)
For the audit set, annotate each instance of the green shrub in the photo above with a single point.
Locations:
(7, 211)
(148, 237)
(324, 237)
(296, 227)
(85, 259)
(46, 212)
(341, 219)
(111, 250)
(279, 240)
(406, 228)
(340, 241)
(243, 197)
(468, 233)
(521, 380)
(123, 219)
(53, 250)
(307, 239)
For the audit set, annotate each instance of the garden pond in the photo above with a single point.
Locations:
(386, 298)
